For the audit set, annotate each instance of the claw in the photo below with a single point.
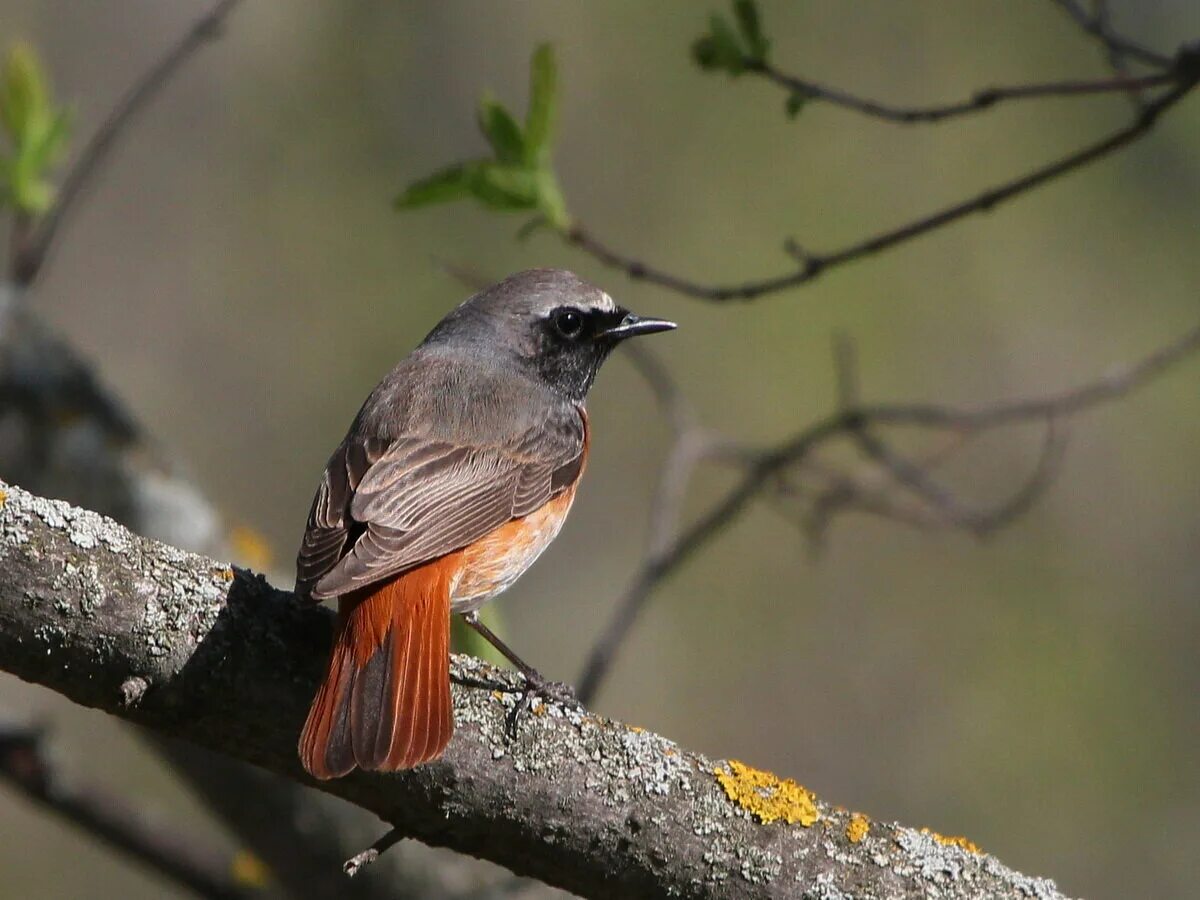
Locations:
(554, 691)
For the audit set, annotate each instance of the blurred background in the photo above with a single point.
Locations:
(238, 277)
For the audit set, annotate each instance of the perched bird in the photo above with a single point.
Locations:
(455, 475)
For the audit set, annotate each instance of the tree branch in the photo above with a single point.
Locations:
(578, 801)
(980, 100)
(182, 858)
(1098, 26)
(1182, 75)
(32, 241)
(673, 546)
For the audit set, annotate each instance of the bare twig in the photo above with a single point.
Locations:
(356, 863)
(33, 245)
(184, 859)
(1116, 60)
(812, 265)
(763, 472)
(1178, 77)
(1098, 26)
(691, 445)
(983, 99)
(1110, 386)
(947, 509)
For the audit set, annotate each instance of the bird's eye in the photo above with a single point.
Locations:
(568, 322)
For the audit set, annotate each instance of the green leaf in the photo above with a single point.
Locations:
(519, 177)
(23, 94)
(750, 26)
(505, 187)
(30, 194)
(551, 201)
(36, 129)
(48, 146)
(543, 105)
(719, 50)
(501, 130)
(796, 102)
(451, 183)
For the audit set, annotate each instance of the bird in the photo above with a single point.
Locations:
(454, 476)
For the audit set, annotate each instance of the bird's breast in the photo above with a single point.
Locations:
(491, 564)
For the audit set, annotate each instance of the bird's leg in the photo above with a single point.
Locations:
(531, 674)
(535, 682)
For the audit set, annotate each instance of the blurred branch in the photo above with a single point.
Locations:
(764, 471)
(1117, 60)
(306, 836)
(1111, 386)
(948, 510)
(724, 49)
(183, 859)
(1118, 48)
(983, 99)
(512, 182)
(1185, 75)
(33, 239)
(1098, 25)
(578, 801)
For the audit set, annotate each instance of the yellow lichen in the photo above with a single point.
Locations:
(3, 497)
(250, 547)
(857, 828)
(225, 574)
(768, 797)
(961, 842)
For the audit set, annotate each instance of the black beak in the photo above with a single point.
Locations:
(632, 325)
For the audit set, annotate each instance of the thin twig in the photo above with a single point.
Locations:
(27, 262)
(1115, 384)
(183, 859)
(359, 861)
(981, 100)
(813, 265)
(1115, 58)
(1097, 26)
(764, 471)
(947, 508)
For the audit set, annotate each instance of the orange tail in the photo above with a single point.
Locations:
(385, 701)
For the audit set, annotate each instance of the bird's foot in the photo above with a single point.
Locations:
(558, 692)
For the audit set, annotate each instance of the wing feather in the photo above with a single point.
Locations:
(384, 507)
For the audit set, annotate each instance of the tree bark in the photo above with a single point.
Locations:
(184, 645)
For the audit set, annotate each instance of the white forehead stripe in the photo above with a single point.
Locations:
(606, 302)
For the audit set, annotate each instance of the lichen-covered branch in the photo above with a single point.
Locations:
(186, 646)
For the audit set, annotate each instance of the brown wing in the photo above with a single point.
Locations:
(382, 509)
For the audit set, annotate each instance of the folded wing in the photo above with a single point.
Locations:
(384, 507)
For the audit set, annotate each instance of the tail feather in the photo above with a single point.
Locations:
(385, 701)
(326, 737)
(440, 722)
(425, 734)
